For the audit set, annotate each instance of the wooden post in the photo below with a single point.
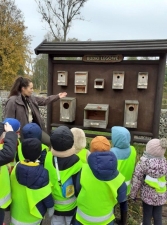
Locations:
(50, 92)
(158, 97)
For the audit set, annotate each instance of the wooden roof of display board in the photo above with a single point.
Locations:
(128, 47)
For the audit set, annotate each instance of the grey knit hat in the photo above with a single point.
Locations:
(156, 147)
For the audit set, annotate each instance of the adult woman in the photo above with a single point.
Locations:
(23, 106)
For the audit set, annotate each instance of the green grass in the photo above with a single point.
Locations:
(98, 133)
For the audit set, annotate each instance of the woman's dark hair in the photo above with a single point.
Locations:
(18, 84)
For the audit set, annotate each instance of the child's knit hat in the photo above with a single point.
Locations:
(100, 144)
(156, 147)
(13, 122)
(62, 141)
(79, 139)
(31, 149)
(32, 130)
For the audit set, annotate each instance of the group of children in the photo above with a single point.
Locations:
(75, 185)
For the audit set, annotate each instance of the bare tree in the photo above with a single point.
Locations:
(59, 14)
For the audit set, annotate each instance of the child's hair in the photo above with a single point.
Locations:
(18, 84)
(79, 138)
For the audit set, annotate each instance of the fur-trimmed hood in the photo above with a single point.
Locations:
(79, 139)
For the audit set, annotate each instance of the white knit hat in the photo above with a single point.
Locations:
(79, 139)
(156, 147)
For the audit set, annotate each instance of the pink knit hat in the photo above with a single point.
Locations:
(156, 147)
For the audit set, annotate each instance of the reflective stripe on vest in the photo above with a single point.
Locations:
(16, 222)
(158, 183)
(94, 218)
(5, 199)
(128, 182)
(155, 180)
(65, 202)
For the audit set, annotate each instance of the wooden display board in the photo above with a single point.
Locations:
(121, 80)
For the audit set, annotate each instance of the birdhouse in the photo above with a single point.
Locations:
(118, 80)
(67, 109)
(99, 83)
(131, 113)
(81, 82)
(96, 115)
(142, 82)
(62, 78)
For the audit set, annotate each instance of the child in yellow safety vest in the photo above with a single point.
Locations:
(100, 186)
(150, 179)
(63, 166)
(7, 153)
(31, 190)
(126, 156)
(80, 144)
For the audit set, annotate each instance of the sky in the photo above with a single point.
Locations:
(105, 20)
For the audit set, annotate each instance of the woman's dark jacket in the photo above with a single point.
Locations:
(16, 108)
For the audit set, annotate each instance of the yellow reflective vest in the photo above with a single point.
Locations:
(5, 189)
(61, 203)
(20, 154)
(96, 200)
(24, 200)
(159, 184)
(82, 154)
(126, 168)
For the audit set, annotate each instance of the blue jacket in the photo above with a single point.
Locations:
(35, 177)
(120, 137)
(104, 168)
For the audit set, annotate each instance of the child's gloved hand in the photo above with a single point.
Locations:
(50, 211)
(7, 127)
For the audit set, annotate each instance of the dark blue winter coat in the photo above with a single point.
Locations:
(35, 177)
(104, 168)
